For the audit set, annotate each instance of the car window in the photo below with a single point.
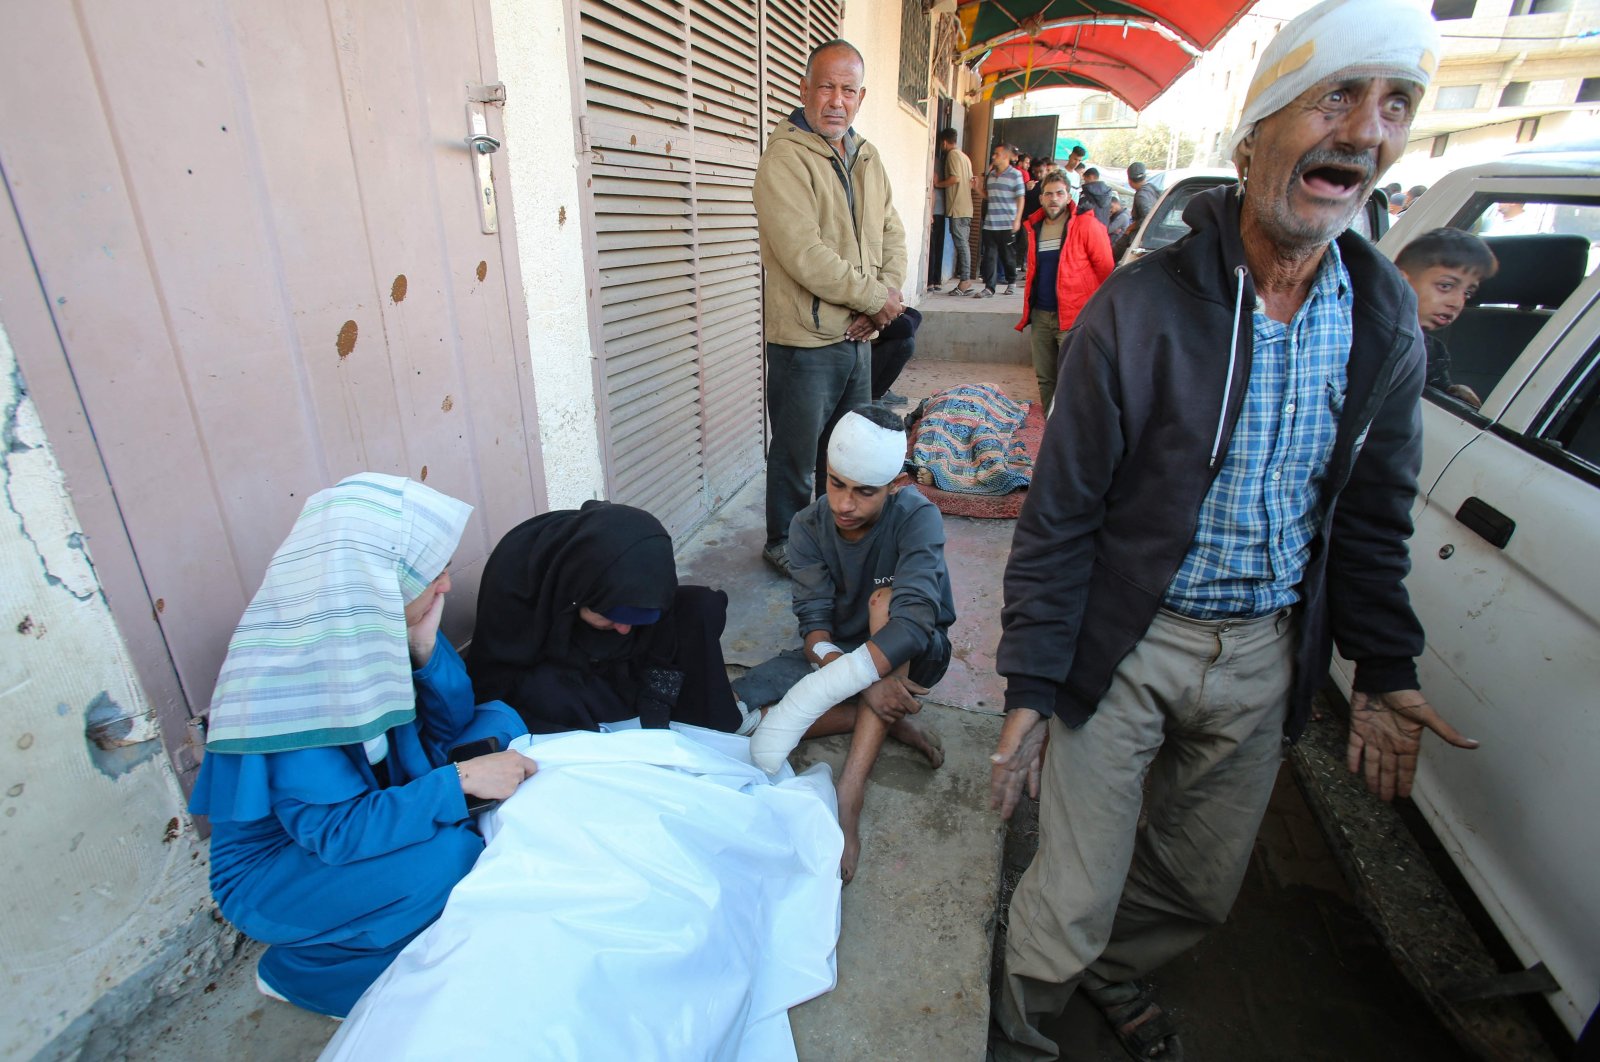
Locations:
(1167, 224)
(1572, 429)
(1527, 215)
(1545, 248)
(1372, 220)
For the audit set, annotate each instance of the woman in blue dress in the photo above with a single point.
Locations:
(339, 826)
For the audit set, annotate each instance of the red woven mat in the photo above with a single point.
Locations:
(990, 506)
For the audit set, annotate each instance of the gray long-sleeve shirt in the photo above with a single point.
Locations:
(833, 577)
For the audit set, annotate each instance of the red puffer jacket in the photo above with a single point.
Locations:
(1085, 264)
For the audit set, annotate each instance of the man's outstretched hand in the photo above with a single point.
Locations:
(1017, 759)
(1385, 734)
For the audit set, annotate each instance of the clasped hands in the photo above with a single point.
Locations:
(863, 326)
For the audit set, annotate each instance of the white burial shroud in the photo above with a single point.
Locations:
(649, 894)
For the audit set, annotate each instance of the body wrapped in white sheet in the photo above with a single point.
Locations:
(649, 894)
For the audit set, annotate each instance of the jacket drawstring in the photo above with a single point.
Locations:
(1233, 357)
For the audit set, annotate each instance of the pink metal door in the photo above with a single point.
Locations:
(248, 263)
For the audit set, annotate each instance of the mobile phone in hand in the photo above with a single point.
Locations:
(471, 750)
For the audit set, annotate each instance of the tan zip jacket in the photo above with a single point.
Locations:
(829, 252)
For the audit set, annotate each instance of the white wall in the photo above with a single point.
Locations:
(106, 901)
(531, 55)
(901, 135)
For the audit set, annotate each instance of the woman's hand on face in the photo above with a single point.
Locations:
(495, 776)
(421, 635)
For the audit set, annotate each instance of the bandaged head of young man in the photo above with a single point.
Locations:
(1328, 112)
(866, 453)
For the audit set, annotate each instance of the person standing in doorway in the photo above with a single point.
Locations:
(1002, 217)
(936, 231)
(955, 183)
(834, 250)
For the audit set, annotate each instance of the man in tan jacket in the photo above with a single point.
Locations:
(835, 257)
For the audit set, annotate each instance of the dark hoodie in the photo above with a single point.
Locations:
(1153, 377)
(1095, 196)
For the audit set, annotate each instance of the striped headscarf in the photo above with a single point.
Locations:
(320, 657)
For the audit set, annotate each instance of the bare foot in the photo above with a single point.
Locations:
(850, 799)
(920, 738)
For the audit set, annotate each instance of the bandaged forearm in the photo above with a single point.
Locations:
(789, 719)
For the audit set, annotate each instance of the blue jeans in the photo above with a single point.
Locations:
(808, 390)
(961, 236)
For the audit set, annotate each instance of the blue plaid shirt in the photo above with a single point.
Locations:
(1257, 522)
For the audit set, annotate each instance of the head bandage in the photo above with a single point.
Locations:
(861, 451)
(1359, 38)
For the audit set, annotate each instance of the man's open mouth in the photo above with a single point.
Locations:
(1333, 180)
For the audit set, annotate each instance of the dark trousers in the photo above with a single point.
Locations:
(936, 249)
(808, 390)
(891, 350)
(997, 264)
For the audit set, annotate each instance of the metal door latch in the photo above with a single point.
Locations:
(482, 145)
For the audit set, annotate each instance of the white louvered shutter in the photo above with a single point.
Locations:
(677, 100)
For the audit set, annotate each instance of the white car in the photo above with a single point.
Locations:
(1506, 563)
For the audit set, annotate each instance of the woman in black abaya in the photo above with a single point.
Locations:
(581, 623)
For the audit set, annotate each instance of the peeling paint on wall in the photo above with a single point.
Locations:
(119, 740)
(107, 905)
(38, 497)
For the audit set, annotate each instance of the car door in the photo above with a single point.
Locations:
(1503, 582)
(1507, 586)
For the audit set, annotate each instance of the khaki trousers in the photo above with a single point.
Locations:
(1045, 336)
(1198, 707)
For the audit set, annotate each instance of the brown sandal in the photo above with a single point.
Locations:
(1142, 1028)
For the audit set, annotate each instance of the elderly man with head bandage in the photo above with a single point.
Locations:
(1223, 491)
(872, 596)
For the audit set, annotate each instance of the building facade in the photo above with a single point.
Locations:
(507, 248)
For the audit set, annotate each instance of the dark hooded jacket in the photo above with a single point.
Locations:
(531, 649)
(1095, 197)
(1153, 379)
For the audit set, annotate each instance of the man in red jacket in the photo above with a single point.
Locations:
(1069, 254)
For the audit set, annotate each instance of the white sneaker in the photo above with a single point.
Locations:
(751, 720)
(268, 991)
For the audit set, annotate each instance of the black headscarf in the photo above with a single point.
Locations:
(530, 647)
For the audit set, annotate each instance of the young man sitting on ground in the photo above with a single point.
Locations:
(872, 594)
(1445, 267)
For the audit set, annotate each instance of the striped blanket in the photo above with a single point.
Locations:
(963, 441)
